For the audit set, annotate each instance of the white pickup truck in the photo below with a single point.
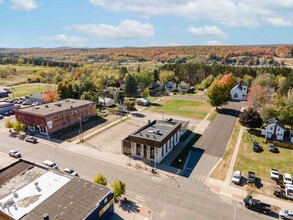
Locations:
(274, 174)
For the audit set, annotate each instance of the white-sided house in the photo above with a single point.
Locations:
(155, 140)
(170, 86)
(106, 102)
(143, 101)
(239, 92)
(274, 129)
(183, 87)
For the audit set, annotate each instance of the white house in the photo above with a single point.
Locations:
(183, 87)
(274, 129)
(170, 86)
(143, 101)
(239, 92)
(106, 102)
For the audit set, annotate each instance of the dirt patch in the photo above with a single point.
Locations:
(25, 202)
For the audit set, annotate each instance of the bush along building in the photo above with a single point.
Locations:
(55, 116)
(155, 140)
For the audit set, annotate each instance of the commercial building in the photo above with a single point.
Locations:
(6, 107)
(155, 140)
(55, 116)
(31, 192)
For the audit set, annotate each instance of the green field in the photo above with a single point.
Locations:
(261, 162)
(23, 68)
(23, 90)
(191, 109)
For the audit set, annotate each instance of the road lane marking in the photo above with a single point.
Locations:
(140, 198)
(224, 199)
(156, 179)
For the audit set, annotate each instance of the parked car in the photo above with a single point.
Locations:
(272, 148)
(274, 174)
(1, 116)
(31, 139)
(251, 177)
(11, 112)
(287, 178)
(236, 178)
(50, 164)
(71, 172)
(6, 113)
(257, 205)
(286, 214)
(34, 104)
(255, 147)
(14, 153)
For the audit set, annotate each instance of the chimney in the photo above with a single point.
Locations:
(46, 216)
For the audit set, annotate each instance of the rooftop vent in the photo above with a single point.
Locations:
(46, 216)
(150, 131)
(58, 104)
(37, 107)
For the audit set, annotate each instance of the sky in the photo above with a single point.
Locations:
(144, 23)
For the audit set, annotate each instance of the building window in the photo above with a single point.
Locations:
(56, 119)
(152, 155)
(61, 116)
(138, 149)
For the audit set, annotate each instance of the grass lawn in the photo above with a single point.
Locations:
(191, 109)
(23, 68)
(23, 90)
(261, 162)
(212, 115)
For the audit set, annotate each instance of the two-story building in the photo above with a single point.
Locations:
(274, 129)
(155, 140)
(55, 116)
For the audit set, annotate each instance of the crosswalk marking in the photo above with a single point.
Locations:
(200, 177)
(224, 199)
(156, 179)
(140, 198)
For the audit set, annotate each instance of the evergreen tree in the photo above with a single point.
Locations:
(130, 86)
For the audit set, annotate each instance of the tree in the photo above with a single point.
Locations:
(9, 124)
(50, 95)
(100, 179)
(250, 118)
(17, 126)
(145, 93)
(218, 94)
(156, 75)
(130, 86)
(130, 104)
(119, 188)
(167, 76)
(257, 96)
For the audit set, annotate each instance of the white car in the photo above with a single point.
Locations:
(14, 153)
(70, 171)
(286, 214)
(274, 174)
(287, 178)
(236, 178)
(50, 164)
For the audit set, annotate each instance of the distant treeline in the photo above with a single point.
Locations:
(194, 73)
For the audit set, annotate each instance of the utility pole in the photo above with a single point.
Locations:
(80, 129)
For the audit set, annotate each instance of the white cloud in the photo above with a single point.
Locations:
(248, 13)
(278, 22)
(65, 40)
(210, 31)
(214, 43)
(127, 29)
(23, 5)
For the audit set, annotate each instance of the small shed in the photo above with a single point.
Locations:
(143, 101)
(106, 102)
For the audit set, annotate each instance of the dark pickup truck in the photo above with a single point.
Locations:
(251, 177)
(257, 206)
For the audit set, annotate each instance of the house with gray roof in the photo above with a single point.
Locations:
(239, 92)
(274, 129)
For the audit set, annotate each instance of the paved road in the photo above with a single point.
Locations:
(168, 198)
(215, 138)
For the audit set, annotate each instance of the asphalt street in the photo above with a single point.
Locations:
(168, 198)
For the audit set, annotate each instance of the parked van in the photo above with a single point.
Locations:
(50, 164)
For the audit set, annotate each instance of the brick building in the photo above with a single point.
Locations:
(155, 140)
(52, 117)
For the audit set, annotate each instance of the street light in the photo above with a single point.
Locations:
(80, 130)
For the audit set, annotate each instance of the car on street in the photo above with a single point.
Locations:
(251, 177)
(257, 205)
(274, 174)
(255, 147)
(236, 178)
(272, 148)
(31, 139)
(50, 164)
(286, 214)
(14, 153)
(287, 178)
(71, 172)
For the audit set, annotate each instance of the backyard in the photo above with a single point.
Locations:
(27, 89)
(186, 108)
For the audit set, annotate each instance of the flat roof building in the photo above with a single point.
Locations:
(55, 116)
(155, 140)
(33, 192)
(6, 107)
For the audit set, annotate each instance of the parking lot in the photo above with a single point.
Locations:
(110, 139)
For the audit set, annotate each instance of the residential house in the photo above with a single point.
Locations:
(143, 101)
(239, 92)
(158, 86)
(105, 102)
(274, 129)
(170, 86)
(183, 87)
(37, 97)
(155, 140)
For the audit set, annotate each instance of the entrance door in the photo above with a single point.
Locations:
(144, 151)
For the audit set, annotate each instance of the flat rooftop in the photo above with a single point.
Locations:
(157, 130)
(74, 201)
(54, 107)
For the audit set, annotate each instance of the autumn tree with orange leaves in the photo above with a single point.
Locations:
(50, 95)
(257, 96)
